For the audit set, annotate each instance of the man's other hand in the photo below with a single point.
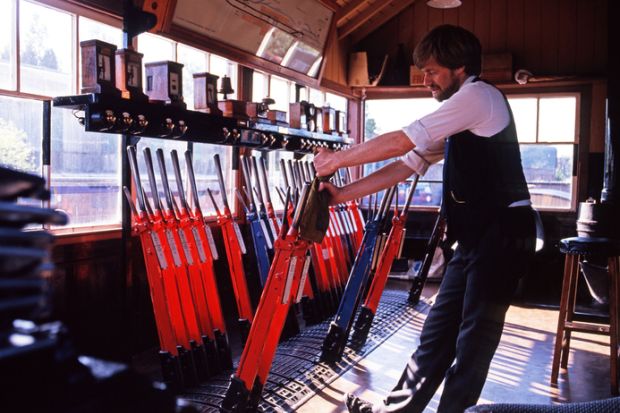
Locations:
(334, 192)
(325, 162)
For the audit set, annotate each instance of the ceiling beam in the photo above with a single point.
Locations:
(330, 4)
(395, 7)
(359, 20)
(347, 10)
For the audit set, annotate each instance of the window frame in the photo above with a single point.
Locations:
(576, 143)
(550, 91)
(77, 12)
(266, 79)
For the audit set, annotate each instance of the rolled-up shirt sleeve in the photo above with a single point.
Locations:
(477, 107)
(419, 160)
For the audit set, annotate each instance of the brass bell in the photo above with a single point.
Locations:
(226, 87)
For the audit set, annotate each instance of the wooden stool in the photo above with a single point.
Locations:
(576, 249)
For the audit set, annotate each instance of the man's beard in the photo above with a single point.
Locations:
(452, 88)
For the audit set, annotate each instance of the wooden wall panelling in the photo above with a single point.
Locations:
(405, 28)
(419, 22)
(532, 34)
(601, 36)
(467, 13)
(498, 29)
(89, 297)
(597, 129)
(584, 125)
(451, 16)
(585, 36)
(547, 37)
(567, 17)
(142, 331)
(515, 27)
(482, 22)
(549, 41)
(435, 17)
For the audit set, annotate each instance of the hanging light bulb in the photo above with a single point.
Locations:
(443, 4)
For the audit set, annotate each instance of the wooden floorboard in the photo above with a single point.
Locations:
(519, 372)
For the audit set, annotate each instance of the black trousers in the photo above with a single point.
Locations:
(464, 326)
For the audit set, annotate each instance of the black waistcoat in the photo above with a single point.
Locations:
(481, 177)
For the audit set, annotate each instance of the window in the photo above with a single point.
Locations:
(283, 92)
(385, 115)
(220, 67)
(316, 97)
(20, 139)
(546, 129)
(7, 46)
(194, 61)
(275, 174)
(206, 175)
(547, 132)
(280, 92)
(155, 48)
(337, 102)
(85, 177)
(46, 56)
(20, 134)
(260, 86)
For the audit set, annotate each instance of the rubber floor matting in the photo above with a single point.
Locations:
(296, 373)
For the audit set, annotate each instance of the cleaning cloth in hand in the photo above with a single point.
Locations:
(315, 218)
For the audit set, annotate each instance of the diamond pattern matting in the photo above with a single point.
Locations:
(297, 374)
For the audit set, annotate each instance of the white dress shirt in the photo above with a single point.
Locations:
(476, 106)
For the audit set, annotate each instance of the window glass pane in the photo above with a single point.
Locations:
(317, 97)
(85, 173)
(314, 69)
(166, 145)
(385, 115)
(91, 29)
(303, 92)
(155, 48)
(46, 52)
(557, 119)
(7, 46)
(194, 61)
(275, 175)
(206, 175)
(524, 112)
(429, 189)
(20, 134)
(259, 86)
(301, 57)
(220, 66)
(336, 102)
(426, 193)
(548, 172)
(275, 45)
(280, 93)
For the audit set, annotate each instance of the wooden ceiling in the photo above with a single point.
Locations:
(359, 18)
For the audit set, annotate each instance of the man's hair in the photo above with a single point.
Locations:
(452, 47)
